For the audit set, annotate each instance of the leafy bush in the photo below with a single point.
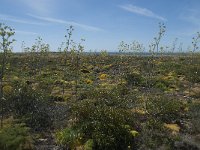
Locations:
(134, 78)
(161, 85)
(68, 137)
(195, 117)
(192, 73)
(31, 106)
(165, 109)
(15, 137)
(89, 144)
(106, 120)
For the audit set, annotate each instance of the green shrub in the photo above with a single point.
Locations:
(106, 120)
(15, 137)
(161, 85)
(164, 109)
(31, 106)
(68, 137)
(102, 122)
(89, 145)
(192, 73)
(134, 78)
(194, 112)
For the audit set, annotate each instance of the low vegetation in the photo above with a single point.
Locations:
(76, 100)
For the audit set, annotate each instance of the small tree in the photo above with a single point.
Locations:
(155, 44)
(64, 50)
(6, 33)
(71, 50)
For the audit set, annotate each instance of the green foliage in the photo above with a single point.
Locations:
(134, 78)
(161, 85)
(15, 137)
(120, 101)
(194, 114)
(89, 145)
(101, 123)
(31, 106)
(104, 121)
(68, 137)
(164, 109)
(192, 73)
(6, 33)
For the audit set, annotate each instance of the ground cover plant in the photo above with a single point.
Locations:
(71, 99)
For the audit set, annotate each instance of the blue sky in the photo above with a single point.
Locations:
(102, 23)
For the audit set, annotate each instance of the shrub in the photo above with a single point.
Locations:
(7, 89)
(89, 144)
(133, 78)
(68, 137)
(15, 137)
(192, 73)
(195, 117)
(164, 109)
(31, 106)
(106, 120)
(161, 85)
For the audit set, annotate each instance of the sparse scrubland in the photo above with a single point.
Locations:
(70, 99)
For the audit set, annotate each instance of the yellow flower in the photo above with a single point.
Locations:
(88, 81)
(134, 133)
(7, 89)
(103, 76)
(173, 127)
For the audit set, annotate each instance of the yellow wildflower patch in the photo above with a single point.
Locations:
(173, 127)
(103, 76)
(7, 89)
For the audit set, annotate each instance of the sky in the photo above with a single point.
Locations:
(102, 23)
